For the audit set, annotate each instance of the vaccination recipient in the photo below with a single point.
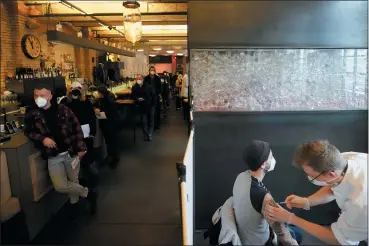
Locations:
(343, 177)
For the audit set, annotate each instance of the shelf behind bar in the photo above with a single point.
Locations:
(55, 36)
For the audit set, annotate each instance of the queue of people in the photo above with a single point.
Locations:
(65, 132)
(259, 220)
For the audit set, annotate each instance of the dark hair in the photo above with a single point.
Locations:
(320, 155)
(43, 86)
(255, 154)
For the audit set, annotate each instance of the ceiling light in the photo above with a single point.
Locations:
(140, 50)
(157, 48)
(132, 21)
(170, 51)
(131, 4)
(152, 55)
(179, 54)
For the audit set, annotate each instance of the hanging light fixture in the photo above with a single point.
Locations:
(132, 21)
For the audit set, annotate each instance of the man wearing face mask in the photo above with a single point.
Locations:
(344, 179)
(144, 96)
(56, 132)
(154, 80)
(251, 199)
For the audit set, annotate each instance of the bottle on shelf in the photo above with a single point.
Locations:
(16, 74)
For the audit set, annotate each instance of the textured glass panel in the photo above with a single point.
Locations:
(279, 79)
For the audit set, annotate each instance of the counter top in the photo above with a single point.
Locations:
(123, 92)
(18, 139)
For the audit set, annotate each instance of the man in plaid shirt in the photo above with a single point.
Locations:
(56, 132)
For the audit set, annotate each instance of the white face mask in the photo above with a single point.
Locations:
(74, 97)
(139, 82)
(272, 164)
(41, 102)
(317, 182)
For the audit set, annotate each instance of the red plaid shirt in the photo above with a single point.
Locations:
(36, 129)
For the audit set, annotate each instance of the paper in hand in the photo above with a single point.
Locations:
(101, 116)
(86, 130)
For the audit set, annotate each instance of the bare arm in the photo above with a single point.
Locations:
(283, 234)
(322, 232)
(322, 196)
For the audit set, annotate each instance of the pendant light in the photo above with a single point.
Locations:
(132, 21)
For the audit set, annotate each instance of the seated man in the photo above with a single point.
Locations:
(251, 198)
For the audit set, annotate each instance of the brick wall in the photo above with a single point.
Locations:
(13, 28)
(9, 33)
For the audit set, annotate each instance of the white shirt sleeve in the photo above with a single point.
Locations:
(352, 226)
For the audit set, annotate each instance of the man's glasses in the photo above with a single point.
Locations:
(311, 179)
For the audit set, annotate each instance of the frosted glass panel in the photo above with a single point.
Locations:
(279, 79)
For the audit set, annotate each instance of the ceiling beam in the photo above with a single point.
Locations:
(145, 37)
(41, 2)
(120, 23)
(106, 14)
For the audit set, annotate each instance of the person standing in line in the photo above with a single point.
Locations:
(184, 94)
(344, 179)
(154, 80)
(56, 132)
(106, 106)
(166, 92)
(144, 96)
(178, 92)
(84, 111)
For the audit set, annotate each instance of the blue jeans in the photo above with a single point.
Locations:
(295, 233)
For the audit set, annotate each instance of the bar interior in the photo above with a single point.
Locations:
(58, 43)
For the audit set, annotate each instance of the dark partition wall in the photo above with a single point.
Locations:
(232, 70)
(221, 137)
(320, 24)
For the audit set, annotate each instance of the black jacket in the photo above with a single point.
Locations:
(156, 85)
(147, 93)
(84, 111)
(108, 105)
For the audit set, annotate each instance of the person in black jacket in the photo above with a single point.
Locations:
(85, 114)
(154, 80)
(144, 96)
(106, 104)
(166, 91)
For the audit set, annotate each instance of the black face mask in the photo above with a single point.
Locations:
(76, 93)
